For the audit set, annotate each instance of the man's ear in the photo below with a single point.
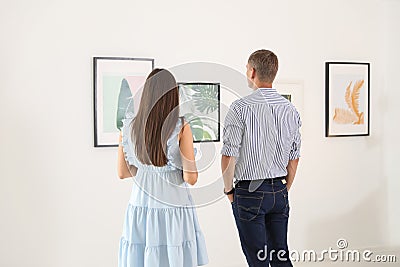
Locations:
(253, 73)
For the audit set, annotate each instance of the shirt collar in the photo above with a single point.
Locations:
(268, 91)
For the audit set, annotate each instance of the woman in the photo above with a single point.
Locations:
(161, 226)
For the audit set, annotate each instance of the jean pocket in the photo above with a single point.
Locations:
(248, 207)
(286, 208)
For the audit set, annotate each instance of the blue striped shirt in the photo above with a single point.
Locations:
(262, 132)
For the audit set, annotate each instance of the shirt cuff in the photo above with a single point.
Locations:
(294, 155)
(230, 151)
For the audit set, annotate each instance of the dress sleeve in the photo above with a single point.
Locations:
(173, 150)
(127, 144)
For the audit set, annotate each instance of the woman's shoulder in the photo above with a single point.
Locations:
(181, 124)
(127, 144)
(127, 122)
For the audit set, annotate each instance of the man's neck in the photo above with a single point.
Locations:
(262, 85)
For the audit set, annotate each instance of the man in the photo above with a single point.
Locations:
(261, 149)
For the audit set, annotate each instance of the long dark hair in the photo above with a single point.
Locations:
(156, 118)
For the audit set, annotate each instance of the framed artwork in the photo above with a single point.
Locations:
(347, 99)
(200, 105)
(288, 97)
(118, 83)
(292, 91)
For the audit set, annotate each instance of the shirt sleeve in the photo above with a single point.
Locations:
(232, 133)
(296, 144)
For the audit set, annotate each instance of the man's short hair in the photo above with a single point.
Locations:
(265, 63)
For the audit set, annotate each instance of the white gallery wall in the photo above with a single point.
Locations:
(61, 202)
(391, 115)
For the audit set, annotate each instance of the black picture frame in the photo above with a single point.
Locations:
(99, 140)
(347, 121)
(182, 85)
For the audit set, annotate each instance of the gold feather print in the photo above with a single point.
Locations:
(352, 115)
(355, 97)
(347, 96)
(344, 116)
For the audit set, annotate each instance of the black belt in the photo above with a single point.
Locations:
(266, 180)
(275, 179)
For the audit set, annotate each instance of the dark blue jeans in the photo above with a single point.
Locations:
(262, 220)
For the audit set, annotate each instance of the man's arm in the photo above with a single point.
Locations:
(232, 139)
(291, 169)
(294, 154)
(228, 170)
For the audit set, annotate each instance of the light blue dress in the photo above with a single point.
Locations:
(161, 228)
